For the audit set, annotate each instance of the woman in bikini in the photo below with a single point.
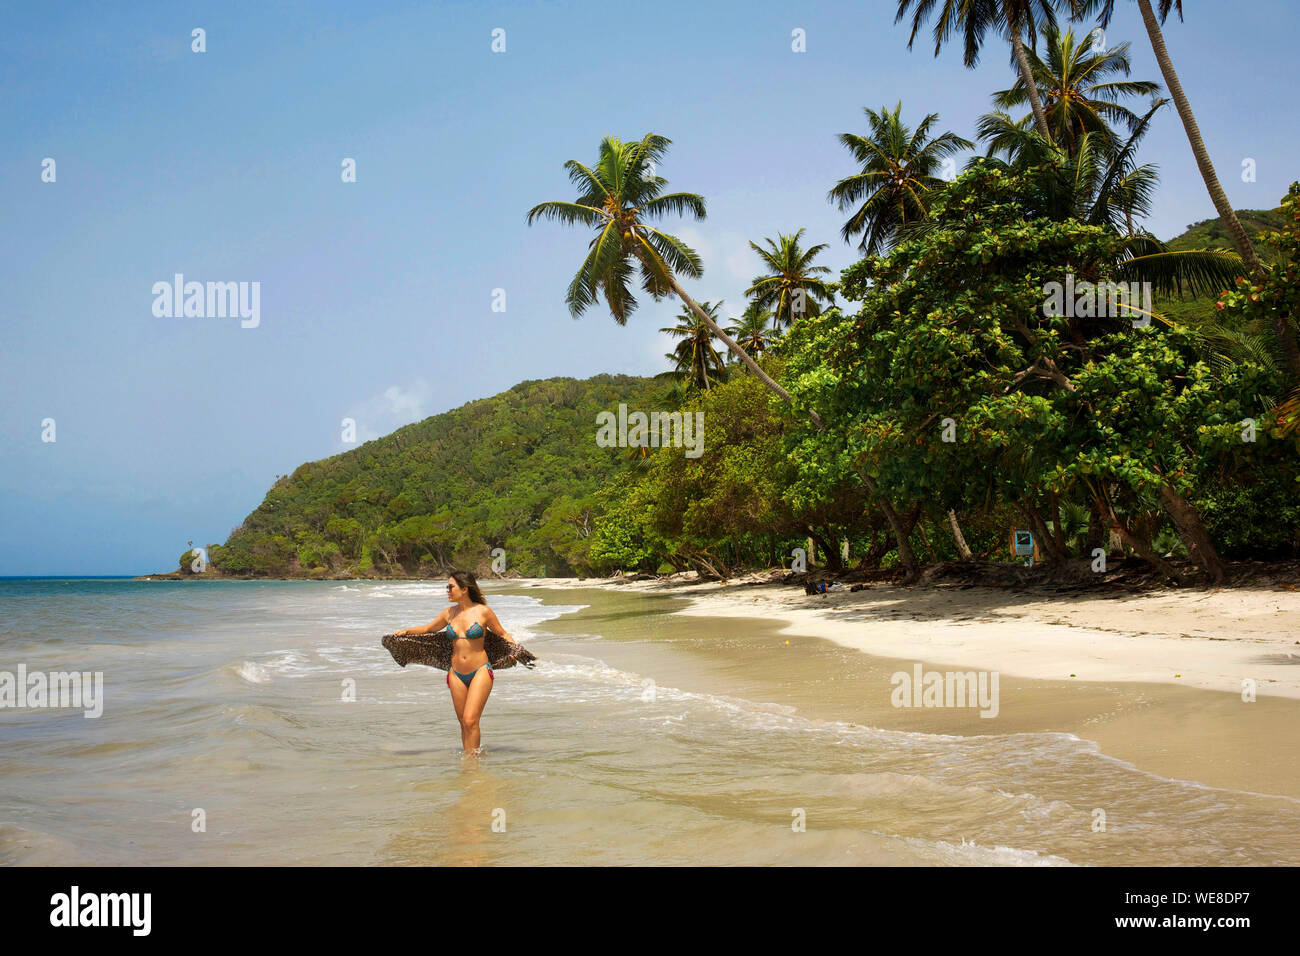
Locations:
(467, 621)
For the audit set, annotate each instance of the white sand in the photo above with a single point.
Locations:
(1212, 639)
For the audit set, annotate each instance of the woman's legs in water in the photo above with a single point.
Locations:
(458, 694)
(475, 697)
(469, 702)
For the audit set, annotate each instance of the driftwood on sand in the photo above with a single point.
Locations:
(434, 650)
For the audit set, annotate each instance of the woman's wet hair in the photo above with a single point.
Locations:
(466, 579)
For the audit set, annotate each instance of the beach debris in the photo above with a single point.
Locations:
(822, 587)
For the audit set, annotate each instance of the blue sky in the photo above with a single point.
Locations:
(376, 295)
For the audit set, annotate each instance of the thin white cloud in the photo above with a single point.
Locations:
(727, 255)
(729, 266)
(392, 408)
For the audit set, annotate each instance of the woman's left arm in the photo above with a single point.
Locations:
(494, 624)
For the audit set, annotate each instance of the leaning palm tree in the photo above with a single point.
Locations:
(1211, 179)
(1015, 19)
(1078, 87)
(696, 362)
(618, 198)
(1286, 336)
(899, 169)
(751, 330)
(789, 288)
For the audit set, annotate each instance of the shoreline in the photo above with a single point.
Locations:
(1194, 728)
(638, 722)
(1209, 640)
(1124, 577)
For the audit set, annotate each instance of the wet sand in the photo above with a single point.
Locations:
(778, 645)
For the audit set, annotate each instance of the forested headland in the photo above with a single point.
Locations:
(521, 471)
(1017, 352)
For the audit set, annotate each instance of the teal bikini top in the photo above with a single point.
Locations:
(469, 634)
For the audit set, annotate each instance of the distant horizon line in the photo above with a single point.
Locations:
(62, 577)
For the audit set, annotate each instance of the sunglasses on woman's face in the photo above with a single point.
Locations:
(449, 587)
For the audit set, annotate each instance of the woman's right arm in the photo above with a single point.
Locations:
(433, 626)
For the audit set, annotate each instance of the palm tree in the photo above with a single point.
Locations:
(751, 330)
(1076, 87)
(898, 170)
(1286, 337)
(974, 18)
(696, 361)
(1102, 184)
(1095, 180)
(789, 288)
(617, 199)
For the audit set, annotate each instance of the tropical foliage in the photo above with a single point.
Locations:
(790, 288)
(978, 376)
(900, 169)
(1079, 86)
(696, 362)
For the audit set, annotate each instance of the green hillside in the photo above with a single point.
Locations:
(1211, 234)
(515, 470)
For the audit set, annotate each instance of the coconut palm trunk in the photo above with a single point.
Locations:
(1245, 248)
(973, 19)
(1031, 85)
(736, 350)
(1239, 238)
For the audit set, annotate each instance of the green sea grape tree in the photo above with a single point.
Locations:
(965, 388)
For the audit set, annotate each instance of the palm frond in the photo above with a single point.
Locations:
(1193, 271)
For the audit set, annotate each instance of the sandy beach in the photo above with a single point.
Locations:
(1155, 679)
(1208, 639)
